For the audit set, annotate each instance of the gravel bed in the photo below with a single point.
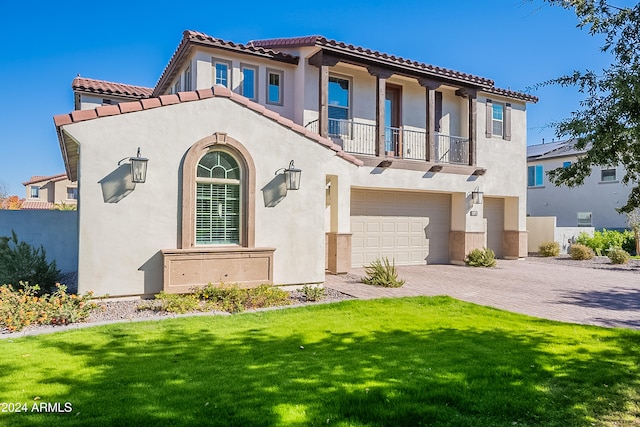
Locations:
(128, 310)
(599, 262)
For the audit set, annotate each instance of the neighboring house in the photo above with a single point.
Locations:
(590, 205)
(43, 192)
(90, 93)
(393, 153)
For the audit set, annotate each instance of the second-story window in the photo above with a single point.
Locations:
(35, 192)
(221, 73)
(187, 79)
(176, 87)
(274, 87)
(338, 98)
(72, 193)
(608, 174)
(249, 82)
(498, 119)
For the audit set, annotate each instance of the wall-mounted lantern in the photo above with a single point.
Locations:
(477, 196)
(292, 177)
(138, 168)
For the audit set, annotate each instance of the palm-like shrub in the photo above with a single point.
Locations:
(382, 273)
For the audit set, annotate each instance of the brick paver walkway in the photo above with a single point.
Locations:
(550, 291)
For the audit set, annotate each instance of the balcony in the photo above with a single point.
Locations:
(401, 143)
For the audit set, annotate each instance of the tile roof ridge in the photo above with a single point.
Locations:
(216, 91)
(40, 178)
(96, 85)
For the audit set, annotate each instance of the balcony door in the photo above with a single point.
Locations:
(392, 121)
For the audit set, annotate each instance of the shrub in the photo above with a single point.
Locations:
(177, 303)
(602, 241)
(382, 273)
(313, 293)
(481, 258)
(21, 262)
(230, 298)
(23, 307)
(619, 256)
(581, 252)
(549, 249)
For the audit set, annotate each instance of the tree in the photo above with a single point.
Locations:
(608, 121)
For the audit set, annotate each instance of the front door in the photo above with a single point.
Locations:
(393, 134)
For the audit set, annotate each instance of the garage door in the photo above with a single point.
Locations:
(410, 228)
(494, 216)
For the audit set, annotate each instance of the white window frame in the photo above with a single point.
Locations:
(585, 219)
(228, 64)
(176, 87)
(255, 80)
(608, 178)
(36, 192)
(75, 193)
(280, 74)
(225, 182)
(494, 121)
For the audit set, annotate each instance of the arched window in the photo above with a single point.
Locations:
(218, 194)
(218, 200)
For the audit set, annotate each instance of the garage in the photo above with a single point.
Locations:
(494, 217)
(408, 227)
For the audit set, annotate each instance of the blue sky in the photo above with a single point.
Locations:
(45, 44)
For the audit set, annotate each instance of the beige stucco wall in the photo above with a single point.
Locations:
(541, 229)
(120, 242)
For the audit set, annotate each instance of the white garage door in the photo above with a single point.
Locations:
(494, 216)
(411, 228)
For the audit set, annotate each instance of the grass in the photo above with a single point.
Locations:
(412, 361)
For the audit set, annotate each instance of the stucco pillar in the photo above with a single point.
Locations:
(467, 230)
(338, 239)
(430, 100)
(323, 62)
(515, 237)
(381, 75)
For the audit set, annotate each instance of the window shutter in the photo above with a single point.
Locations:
(438, 110)
(489, 119)
(507, 122)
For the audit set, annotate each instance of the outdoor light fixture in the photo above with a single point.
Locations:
(477, 196)
(291, 176)
(138, 167)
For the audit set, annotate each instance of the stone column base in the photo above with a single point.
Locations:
(338, 252)
(514, 244)
(462, 242)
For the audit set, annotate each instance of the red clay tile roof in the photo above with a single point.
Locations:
(40, 178)
(36, 204)
(216, 91)
(320, 41)
(110, 88)
(195, 38)
(361, 52)
(512, 94)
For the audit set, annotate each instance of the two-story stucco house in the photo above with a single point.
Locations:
(44, 192)
(395, 156)
(592, 204)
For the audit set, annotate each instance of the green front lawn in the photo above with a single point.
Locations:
(392, 362)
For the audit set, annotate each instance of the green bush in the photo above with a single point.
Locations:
(619, 256)
(382, 273)
(602, 241)
(549, 249)
(177, 303)
(313, 293)
(581, 252)
(481, 258)
(230, 298)
(21, 262)
(23, 307)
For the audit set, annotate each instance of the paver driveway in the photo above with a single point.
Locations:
(558, 292)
